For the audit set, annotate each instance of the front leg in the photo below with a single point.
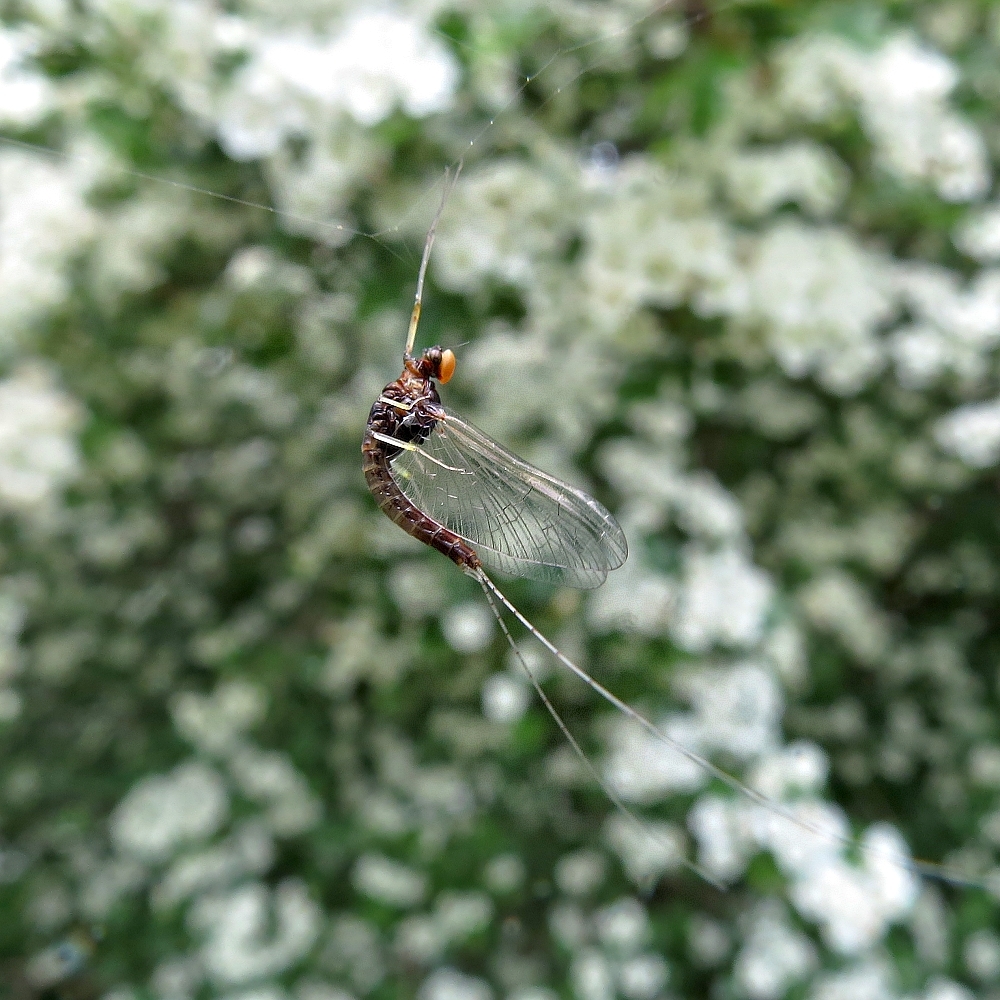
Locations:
(409, 446)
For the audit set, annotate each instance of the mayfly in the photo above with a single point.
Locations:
(451, 486)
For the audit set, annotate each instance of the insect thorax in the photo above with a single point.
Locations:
(414, 424)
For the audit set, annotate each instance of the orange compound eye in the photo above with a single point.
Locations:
(447, 367)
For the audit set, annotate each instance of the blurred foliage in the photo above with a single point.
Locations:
(243, 748)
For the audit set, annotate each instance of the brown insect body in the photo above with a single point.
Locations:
(411, 423)
(403, 419)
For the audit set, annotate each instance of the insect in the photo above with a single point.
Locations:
(451, 486)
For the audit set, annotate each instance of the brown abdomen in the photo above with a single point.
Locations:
(398, 507)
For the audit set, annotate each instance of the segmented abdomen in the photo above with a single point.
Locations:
(402, 511)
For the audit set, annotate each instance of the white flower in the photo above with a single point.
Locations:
(921, 354)
(798, 767)
(505, 698)
(134, 239)
(270, 777)
(459, 915)
(504, 873)
(380, 59)
(837, 898)
(254, 932)
(803, 835)
(972, 433)
(761, 180)
(708, 940)
(642, 768)
(383, 57)
(388, 881)
(633, 598)
(578, 874)
(249, 851)
(736, 709)
(774, 955)
(568, 925)
(643, 977)
(811, 70)
(853, 906)
(417, 587)
(706, 509)
(419, 939)
(966, 317)
(163, 811)
(978, 235)
(820, 298)
(646, 852)
(777, 409)
(25, 94)
(668, 38)
(984, 765)
(189, 37)
(655, 242)
(313, 187)
(500, 221)
(354, 947)
(724, 600)
(904, 71)
(258, 113)
(887, 862)
(942, 988)
(981, 954)
(11, 704)
(468, 627)
(837, 603)
(623, 926)
(45, 222)
(784, 649)
(724, 835)
(869, 979)
(806, 835)
(901, 91)
(214, 722)
(450, 984)
(592, 976)
(175, 978)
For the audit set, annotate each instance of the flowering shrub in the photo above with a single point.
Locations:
(734, 267)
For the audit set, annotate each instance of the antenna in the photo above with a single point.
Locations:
(450, 180)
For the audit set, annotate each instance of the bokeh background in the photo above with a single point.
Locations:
(733, 267)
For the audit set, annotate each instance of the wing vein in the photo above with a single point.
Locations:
(520, 520)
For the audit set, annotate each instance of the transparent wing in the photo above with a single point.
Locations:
(519, 520)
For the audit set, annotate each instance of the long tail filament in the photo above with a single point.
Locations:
(491, 591)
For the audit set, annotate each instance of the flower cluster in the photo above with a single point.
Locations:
(733, 268)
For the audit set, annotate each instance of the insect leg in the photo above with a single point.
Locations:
(410, 446)
(397, 403)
